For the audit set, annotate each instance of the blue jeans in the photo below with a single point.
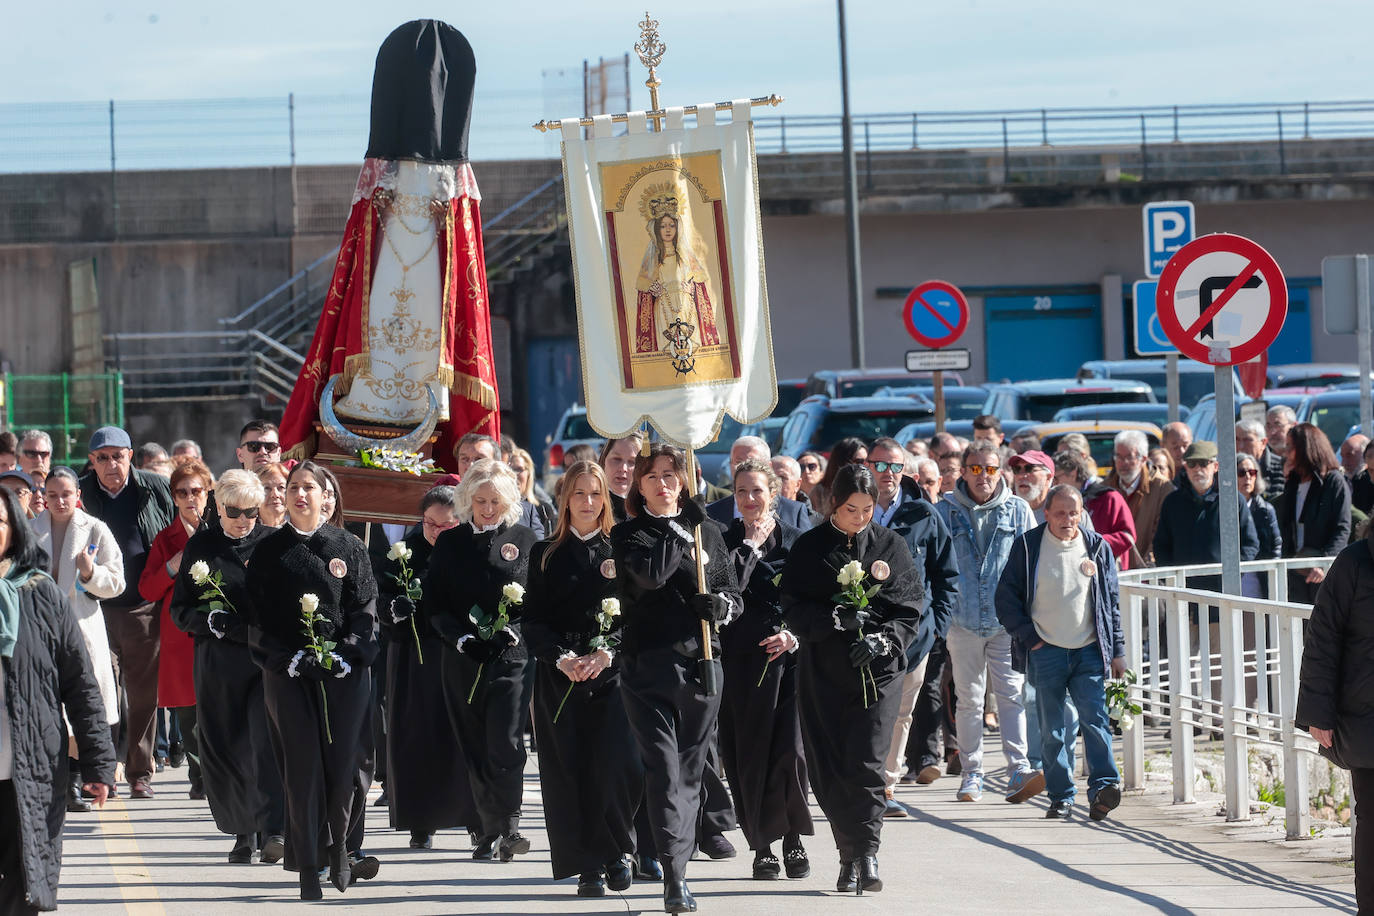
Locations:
(1034, 743)
(1057, 675)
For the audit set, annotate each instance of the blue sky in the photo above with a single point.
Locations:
(963, 54)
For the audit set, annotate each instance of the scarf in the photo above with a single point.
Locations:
(11, 581)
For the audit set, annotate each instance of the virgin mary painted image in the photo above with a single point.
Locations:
(672, 281)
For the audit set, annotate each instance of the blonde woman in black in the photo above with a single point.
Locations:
(670, 714)
(589, 769)
(471, 568)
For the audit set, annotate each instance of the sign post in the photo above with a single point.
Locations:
(1222, 300)
(1168, 225)
(936, 314)
(1346, 310)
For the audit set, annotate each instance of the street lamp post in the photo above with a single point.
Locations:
(851, 210)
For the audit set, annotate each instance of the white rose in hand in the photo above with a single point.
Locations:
(310, 602)
(514, 593)
(610, 607)
(399, 551)
(200, 571)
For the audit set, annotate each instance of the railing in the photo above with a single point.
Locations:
(258, 352)
(1244, 690)
(69, 407)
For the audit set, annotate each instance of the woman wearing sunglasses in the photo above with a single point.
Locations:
(190, 485)
(240, 774)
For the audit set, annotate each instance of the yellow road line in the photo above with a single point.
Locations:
(131, 873)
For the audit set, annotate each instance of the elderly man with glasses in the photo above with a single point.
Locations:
(984, 517)
(135, 505)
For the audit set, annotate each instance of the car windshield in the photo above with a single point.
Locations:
(1191, 385)
(866, 426)
(1335, 420)
(577, 427)
(864, 387)
(1041, 408)
(788, 398)
(1100, 445)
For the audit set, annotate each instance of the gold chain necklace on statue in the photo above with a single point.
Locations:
(402, 293)
(396, 218)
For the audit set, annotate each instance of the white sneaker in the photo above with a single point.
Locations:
(970, 787)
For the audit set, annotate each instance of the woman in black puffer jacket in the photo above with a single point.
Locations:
(43, 667)
(1314, 510)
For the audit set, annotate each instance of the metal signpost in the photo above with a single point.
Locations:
(1168, 225)
(1345, 308)
(1222, 300)
(936, 314)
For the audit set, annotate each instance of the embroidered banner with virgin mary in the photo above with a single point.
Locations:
(668, 258)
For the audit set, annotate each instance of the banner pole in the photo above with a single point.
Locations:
(710, 684)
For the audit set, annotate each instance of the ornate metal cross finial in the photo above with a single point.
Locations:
(649, 48)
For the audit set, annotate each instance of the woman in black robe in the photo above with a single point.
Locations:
(760, 733)
(484, 683)
(670, 714)
(589, 769)
(427, 783)
(241, 780)
(318, 709)
(846, 728)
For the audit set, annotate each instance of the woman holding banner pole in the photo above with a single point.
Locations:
(671, 711)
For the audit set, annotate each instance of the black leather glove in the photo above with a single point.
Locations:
(848, 619)
(402, 608)
(711, 608)
(308, 668)
(507, 636)
(866, 650)
(479, 650)
(217, 621)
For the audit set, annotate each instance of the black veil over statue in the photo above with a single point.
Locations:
(422, 94)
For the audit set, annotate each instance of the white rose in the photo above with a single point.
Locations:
(1125, 721)
(310, 602)
(850, 573)
(200, 571)
(399, 551)
(610, 607)
(514, 593)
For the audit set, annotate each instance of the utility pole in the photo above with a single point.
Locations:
(851, 210)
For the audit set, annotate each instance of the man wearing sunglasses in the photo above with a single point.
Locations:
(984, 517)
(259, 445)
(35, 459)
(903, 508)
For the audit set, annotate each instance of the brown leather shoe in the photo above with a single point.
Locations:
(141, 789)
(927, 775)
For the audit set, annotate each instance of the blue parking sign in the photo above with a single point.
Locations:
(1169, 225)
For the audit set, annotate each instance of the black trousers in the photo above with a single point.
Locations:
(673, 723)
(1362, 787)
(13, 897)
(233, 741)
(491, 733)
(325, 781)
(934, 711)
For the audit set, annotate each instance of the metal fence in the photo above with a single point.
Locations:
(1243, 690)
(67, 407)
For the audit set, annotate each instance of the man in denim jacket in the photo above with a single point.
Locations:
(984, 517)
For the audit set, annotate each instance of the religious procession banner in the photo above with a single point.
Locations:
(667, 250)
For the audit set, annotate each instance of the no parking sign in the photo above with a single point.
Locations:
(936, 313)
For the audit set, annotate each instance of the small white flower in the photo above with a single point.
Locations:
(399, 551)
(310, 602)
(200, 571)
(1125, 720)
(610, 607)
(850, 573)
(514, 593)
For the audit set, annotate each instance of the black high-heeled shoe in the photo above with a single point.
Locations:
(341, 871)
(676, 897)
(868, 874)
(848, 881)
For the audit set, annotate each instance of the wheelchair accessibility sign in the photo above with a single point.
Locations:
(1150, 339)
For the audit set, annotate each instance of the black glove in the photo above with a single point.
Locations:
(217, 620)
(711, 608)
(479, 650)
(848, 619)
(308, 668)
(508, 636)
(867, 649)
(402, 608)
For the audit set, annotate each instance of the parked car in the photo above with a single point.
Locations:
(770, 431)
(961, 428)
(1101, 435)
(859, 383)
(819, 422)
(962, 402)
(1194, 379)
(1312, 375)
(1039, 401)
(790, 394)
(1333, 412)
(1143, 413)
(572, 429)
(1202, 419)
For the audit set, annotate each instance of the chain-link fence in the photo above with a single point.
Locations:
(67, 407)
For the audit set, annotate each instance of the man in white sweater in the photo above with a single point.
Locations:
(1058, 599)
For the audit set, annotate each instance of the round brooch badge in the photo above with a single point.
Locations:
(608, 569)
(880, 570)
(1088, 568)
(338, 568)
(509, 552)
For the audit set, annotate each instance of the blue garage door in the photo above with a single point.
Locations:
(554, 372)
(1042, 335)
(1294, 343)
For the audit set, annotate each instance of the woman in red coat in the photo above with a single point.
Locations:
(191, 483)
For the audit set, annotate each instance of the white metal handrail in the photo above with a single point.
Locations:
(1178, 680)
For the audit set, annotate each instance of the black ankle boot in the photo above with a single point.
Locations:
(341, 870)
(848, 881)
(868, 873)
(76, 802)
(676, 897)
(310, 885)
